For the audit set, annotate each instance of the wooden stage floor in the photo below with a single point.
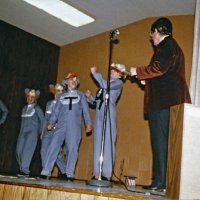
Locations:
(15, 188)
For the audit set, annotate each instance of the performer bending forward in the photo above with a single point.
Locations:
(117, 72)
(66, 119)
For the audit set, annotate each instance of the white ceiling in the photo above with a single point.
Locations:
(109, 14)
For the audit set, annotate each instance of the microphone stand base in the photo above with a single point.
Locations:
(99, 183)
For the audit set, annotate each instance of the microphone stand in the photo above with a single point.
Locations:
(99, 182)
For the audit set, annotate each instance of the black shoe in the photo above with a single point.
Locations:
(70, 179)
(22, 174)
(153, 187)
(104, 178)
(94, 178)
(62, 176)
(161, 190)
(45, 177)
(65, 177)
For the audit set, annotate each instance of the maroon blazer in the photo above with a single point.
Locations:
(165, 77)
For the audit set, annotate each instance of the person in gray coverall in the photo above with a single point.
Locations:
(46, 135)
(31, 126)
(117, 72)
(3, 112)
(66, 120)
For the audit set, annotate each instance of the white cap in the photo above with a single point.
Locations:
(119, 67)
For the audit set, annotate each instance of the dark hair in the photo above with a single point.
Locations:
(163, 25)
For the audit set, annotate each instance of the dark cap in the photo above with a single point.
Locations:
(163, 25)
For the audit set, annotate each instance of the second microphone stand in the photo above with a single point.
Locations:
(99, 182)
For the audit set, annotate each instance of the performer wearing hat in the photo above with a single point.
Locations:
(117, 73)
(31, 126)
(66, 119)
(3, 112)
(46, 135)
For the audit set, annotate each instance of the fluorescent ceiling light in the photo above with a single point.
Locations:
(63, 11)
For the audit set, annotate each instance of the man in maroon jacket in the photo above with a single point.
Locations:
(165, 86)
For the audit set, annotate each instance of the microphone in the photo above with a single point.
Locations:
(114, 32)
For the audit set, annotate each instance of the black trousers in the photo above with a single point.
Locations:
(159, 131)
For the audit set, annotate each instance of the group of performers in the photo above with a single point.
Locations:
(62, 124)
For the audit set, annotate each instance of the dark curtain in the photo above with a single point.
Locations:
(26, 61)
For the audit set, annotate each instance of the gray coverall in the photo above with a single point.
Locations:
(67, 116)
(31, 127)
(110, 131)
(47, 137)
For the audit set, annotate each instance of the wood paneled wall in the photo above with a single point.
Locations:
(26, 61)
(175, 151)
(184, 146)
(134, 49)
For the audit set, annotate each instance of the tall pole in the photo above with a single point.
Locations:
(100, 182)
